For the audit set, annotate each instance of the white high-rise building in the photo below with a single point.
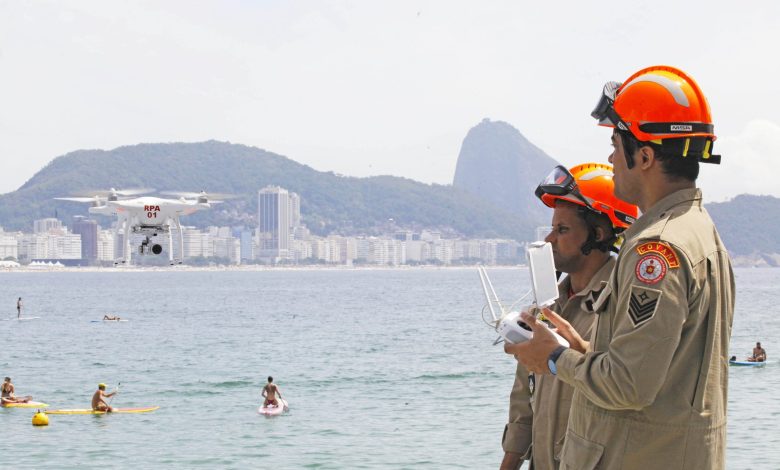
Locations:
(105, 245)
(227, 247)
(301, 250)
(32, 246)
(46, 225)
(274, 222)
(54, 245)
(9, 247)
(295, 210)
(196, 243)
(65, 246)
(247, 246)
(442, 250)
(414, 250)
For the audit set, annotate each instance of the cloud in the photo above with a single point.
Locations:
(750, 164)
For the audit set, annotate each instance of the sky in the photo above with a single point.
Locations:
(367, 88)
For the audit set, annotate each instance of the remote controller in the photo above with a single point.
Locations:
(544, 284)
(514, 330)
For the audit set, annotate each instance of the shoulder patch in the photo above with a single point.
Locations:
(651, 268)
(662, 249)
(643, 304)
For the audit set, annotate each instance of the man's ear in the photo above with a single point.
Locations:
(601, 234)
(646, 156)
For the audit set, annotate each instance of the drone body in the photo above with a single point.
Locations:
(147, 216)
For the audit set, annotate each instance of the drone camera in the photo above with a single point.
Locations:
(146, 247)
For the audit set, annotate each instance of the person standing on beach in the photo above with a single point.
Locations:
(19, 308)
(586, 221)
(650, 388)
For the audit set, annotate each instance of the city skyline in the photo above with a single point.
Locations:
(278, 238)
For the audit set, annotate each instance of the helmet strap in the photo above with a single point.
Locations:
(606, 245)
(630, 146)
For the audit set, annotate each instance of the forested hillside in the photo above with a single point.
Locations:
(329, 203)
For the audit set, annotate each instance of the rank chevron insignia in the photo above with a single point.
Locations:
(642, 305)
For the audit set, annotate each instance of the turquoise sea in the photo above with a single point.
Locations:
(382, 368)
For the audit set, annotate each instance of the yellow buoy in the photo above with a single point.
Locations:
(40, 419)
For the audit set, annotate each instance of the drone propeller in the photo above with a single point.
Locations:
(200, 195)
(115, 192)
(96, 201)
(78, 199)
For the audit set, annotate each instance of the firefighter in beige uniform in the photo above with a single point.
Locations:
(650, 387)
(586, 221)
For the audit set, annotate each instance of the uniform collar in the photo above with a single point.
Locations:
(595, 284)
(689, 197)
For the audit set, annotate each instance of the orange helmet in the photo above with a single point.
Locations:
(589, 185)
(662, 105)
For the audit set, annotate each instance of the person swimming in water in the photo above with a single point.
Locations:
(98, 399)
(8, 393)
(269, 393)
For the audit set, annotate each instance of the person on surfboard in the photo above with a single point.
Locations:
(19, 308)
(98, 399)
(7, 392)
(111, 318)
(759, 354)
(269, 393)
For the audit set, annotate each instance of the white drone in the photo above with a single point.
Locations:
(147, 216)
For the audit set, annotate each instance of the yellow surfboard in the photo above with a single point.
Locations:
(87, 411)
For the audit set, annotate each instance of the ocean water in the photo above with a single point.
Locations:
(382, 368)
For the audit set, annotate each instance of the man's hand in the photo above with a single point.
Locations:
(564, 328)
(533, 353)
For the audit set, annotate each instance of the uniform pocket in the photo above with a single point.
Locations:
(579, 453)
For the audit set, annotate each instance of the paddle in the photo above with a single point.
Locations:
(116, 390)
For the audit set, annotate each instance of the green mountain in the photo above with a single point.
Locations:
(735, 220)
(329, 203)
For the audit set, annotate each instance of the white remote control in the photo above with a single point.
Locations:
(514, 330)
(544, 284)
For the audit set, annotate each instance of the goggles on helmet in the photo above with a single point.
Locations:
(560, 182)
(605, 108)
(698, 146)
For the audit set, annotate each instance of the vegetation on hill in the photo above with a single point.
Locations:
(329, 203)
(736, 221)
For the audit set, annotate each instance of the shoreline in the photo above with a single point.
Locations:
(244, 268)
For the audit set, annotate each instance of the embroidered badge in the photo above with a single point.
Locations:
(651, 268)
(643, 304)
(662, 249)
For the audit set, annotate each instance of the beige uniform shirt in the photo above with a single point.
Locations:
(537, 422)
(651, 391)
